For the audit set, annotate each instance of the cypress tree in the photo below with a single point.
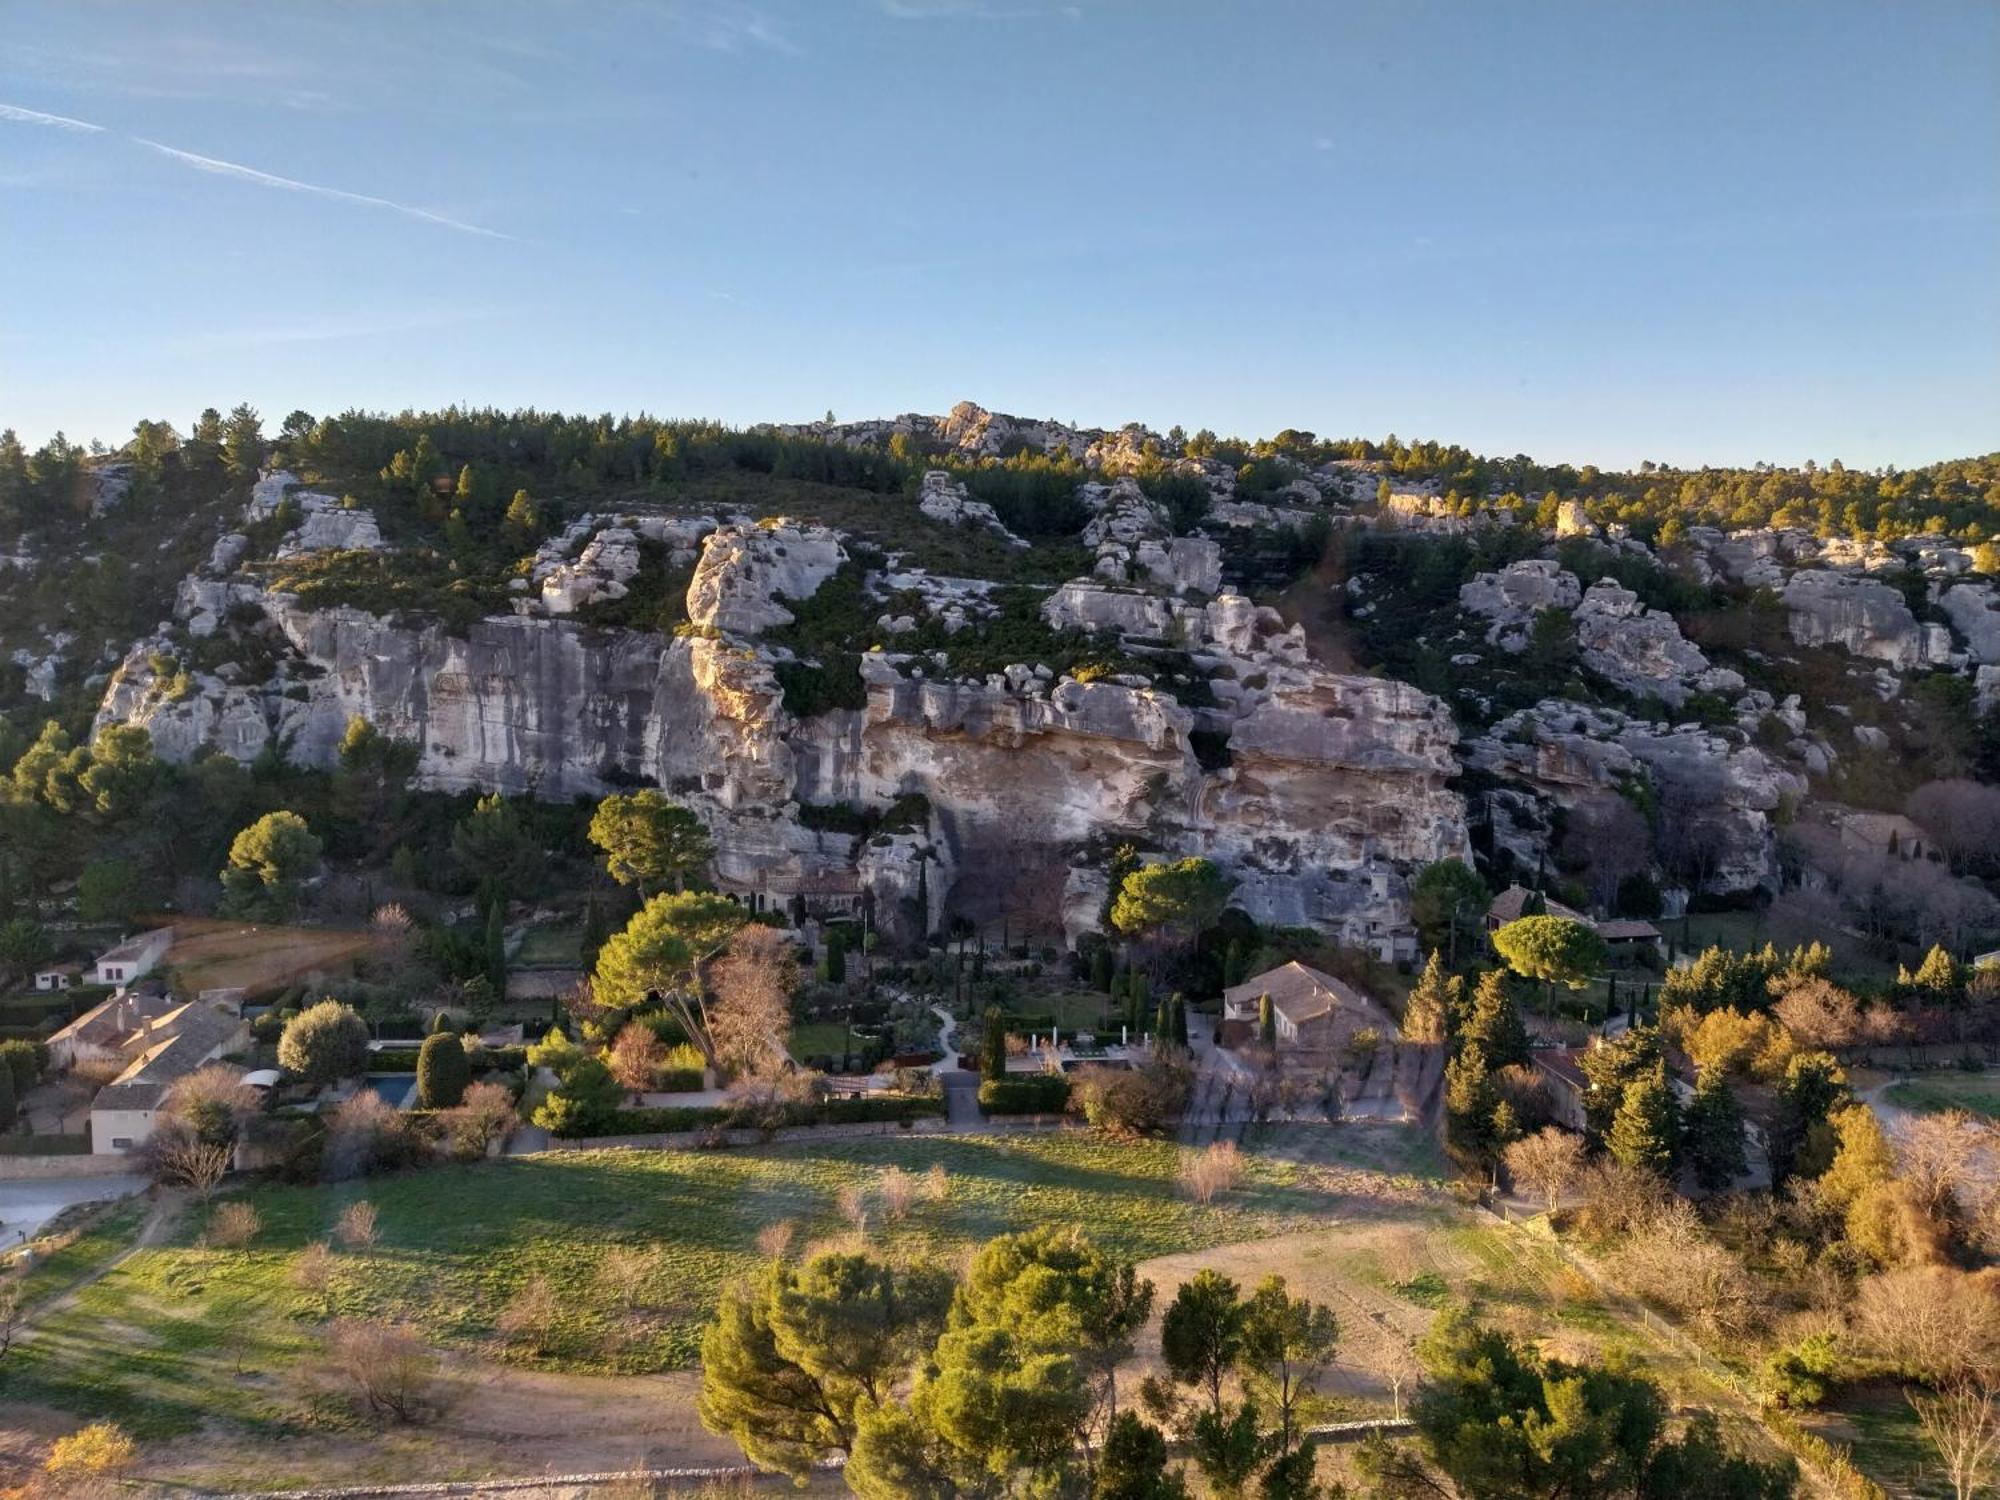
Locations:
(496, 947)
(1180, 1019)
(1163, 1021)
(1141, 999)
(1101, 978)
(1645, 1131)
(7, 1100)
(993, 1044)
(1712, 1131)
(1267, 1021)
(443, 1072)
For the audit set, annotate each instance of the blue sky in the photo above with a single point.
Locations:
(1597, 231)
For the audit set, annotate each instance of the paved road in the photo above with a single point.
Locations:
(26, 1206)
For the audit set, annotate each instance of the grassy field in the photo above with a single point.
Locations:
(180, 1334)
(817, 1039)
(1976, 1093)
(231, 955)
(549, 947)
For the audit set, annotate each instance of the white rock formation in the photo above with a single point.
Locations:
(944, 499)
(745, 570)
(1715, 794)
(1974, 609)
(1642, 650)
(1511, 598)
(603, 570)
(1862, 615)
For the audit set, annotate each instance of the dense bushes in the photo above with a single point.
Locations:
(1025, 1094)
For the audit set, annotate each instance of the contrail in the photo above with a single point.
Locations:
(35, 117)
(293, 185)
(24, 116)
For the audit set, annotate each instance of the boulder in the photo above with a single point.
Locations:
(1862, 615)
(945, 500)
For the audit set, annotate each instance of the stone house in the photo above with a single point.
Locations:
(1312, 1011)
(104, 1033)
(1562, 1076)
(126, 1111)
(60, 977)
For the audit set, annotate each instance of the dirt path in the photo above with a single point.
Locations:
(160, 1222)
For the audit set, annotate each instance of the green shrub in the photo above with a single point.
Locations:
(1025, 1094)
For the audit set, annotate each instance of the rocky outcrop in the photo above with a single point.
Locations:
(1714, 795)
(602, 570)
(1861, 615)
(1974, 610)
(746, 570)
(944, 499)
(1642, 651)
(1511, 598)
(1083, 605)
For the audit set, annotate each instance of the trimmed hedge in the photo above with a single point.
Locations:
(1026, 1094)
(674, 1119)
(680, 1081)
(44, 1145)
(404, 1060)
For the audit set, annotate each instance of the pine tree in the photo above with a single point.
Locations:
(1469, 1100)
(1712, 1133)
(1495, 1023)
(993, 1044)
(1645, 1131)
(1427, 1014)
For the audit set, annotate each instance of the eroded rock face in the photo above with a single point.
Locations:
(1642, 650)
(1715, 794)
(1974, 609)
(746, 570)
(1512, 597)
(943, 498)
(1862, 615)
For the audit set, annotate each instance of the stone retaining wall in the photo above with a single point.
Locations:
(52, 1168)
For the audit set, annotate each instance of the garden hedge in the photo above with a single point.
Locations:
(1025, 1094)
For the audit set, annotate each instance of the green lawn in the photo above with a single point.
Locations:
(549, 947)
(1976, 1093)
(818, 1039)
(180, 1335)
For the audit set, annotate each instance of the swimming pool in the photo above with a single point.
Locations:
(396, 1088)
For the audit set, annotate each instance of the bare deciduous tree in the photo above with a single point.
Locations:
(1931, 1323)
(1940, 1157)
(1217, 1169)
(635, 1057)
(356, 1227)
(1963, 1423)
(234, 1225)
(391, 1369)
(529, 1318)
(897, 1190)
(1546, 1163)
(751, 1015)
(626, 1271)
(486, 1114)
(182, 1158)
(1961, 816)
(774, 1240)
(1673, 1260)
(312, 1271)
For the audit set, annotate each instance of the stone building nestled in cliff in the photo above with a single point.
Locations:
(1312, 1011)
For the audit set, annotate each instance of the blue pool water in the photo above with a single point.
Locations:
(394, 1087)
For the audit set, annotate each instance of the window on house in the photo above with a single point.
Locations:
(121, 1143)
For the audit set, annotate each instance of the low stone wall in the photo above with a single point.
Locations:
(52, 1168)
